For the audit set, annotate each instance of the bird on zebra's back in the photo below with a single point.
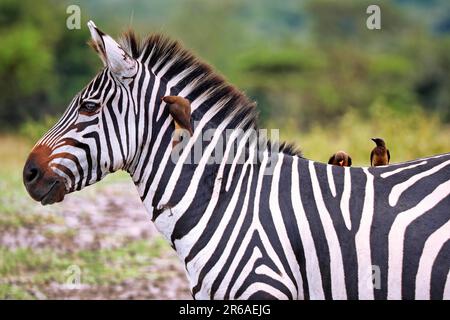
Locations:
(180, 110)
(340, 158)
(380, 155)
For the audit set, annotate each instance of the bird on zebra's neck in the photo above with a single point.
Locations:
(380, 155)
(180, 110)
(340, 158)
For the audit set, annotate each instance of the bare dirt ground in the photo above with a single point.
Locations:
(104, 218)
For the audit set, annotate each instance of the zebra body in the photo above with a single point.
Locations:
(317, 231)
(261, 222)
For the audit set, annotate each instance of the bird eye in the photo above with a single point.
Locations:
(89, 107)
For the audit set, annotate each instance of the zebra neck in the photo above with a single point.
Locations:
(179, 187)
(175, 189)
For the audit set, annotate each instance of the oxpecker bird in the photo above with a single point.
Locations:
(380, 155)
(341, 158)
(180, 110)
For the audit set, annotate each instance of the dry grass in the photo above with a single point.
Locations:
(408, 136)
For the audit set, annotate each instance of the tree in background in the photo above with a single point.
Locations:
(304, 62)
(41, 63)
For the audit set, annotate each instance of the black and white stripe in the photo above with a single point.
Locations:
(305, 231)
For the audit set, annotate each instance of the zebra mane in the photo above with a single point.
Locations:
(163, 53)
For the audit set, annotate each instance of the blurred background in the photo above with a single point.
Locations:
(317, 73)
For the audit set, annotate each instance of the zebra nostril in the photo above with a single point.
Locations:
(31, 175)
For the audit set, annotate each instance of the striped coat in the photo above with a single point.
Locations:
(248, 218)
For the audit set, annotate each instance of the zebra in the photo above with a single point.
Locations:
(306, 230)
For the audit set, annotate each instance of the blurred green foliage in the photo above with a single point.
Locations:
(308, 64)
(33, 130)
(42, 64)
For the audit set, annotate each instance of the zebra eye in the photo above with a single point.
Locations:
(89, 107)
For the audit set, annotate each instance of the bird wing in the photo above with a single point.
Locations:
(180, 117)
(331, 160)
(371, 158)
(389, 155)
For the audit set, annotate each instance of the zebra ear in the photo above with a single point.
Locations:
(111, 53)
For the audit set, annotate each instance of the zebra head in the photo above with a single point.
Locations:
(69, 157)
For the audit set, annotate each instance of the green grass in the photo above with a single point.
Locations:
(11, 220)
(14, 292)
(13, 153)
(100, 267)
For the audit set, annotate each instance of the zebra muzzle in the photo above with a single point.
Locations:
(40, 181)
